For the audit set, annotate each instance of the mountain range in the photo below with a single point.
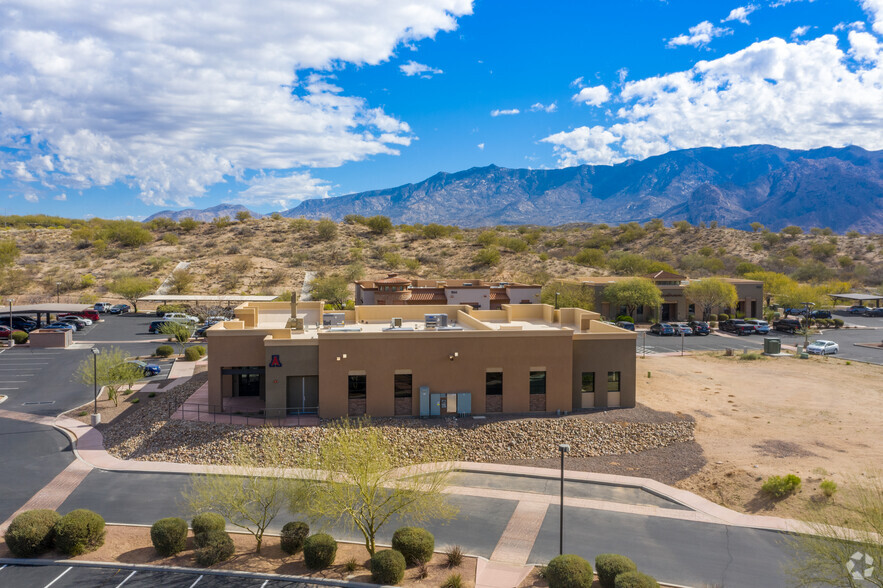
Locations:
(205, 214)
(840, 188)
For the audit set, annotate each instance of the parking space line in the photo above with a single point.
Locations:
(127, 578)
(59, 577)
(262, 585)
(2, 567)
(195, 582)
(8, 388)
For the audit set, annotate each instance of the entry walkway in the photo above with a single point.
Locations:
(198, 408)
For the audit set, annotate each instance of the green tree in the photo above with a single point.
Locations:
(755, 226)
(188, 224)
(792, 231)
(132, 287)
(711, 293)
(180, 332)
(243, 215)
(362, 483)
(570, 295)
(632, 293)
(380, 224)
(108, 369)
(332, 289)
(326, 229)
(488, 256)
(8, 252)
(180, 281)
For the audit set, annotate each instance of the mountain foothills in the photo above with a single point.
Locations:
(205, 215)
(837, 188)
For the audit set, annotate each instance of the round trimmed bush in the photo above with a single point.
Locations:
(191, 354)
(207, 521)
(635, 580)
(610, 565)
(216, 546)
(19, 337)
(200, 349)
(712, 317)
(569, 571)
(169, 536)
(723, 317)
(319, 551)
(164, 351)
(293, 536)
(416, 544)
(387, 567)
(79, 531)
(625, 318)
(32, 532)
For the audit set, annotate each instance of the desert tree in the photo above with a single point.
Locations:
(362, 479)
(711, 293)
(179, 332)
(632, 293)
(570, 295)
(132, 287)
(180, 281)
(332, 289)
(108, 369)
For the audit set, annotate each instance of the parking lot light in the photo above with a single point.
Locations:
(96, 418)
(563, 448)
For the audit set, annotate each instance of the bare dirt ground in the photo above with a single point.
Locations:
(819, 418)
(131, 545)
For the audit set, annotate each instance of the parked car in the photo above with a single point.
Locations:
(60, 326)
(216, 319)
(101, 307)
(155, 326)
(760, 327)
(820, 314)
(822, 347)
(662, 329)
(787, 325)
(75, 318)
(119, 309)
(76, 321)
(682, 329)
(857, 309)
(737, 326)
(626, 325)
(794, 311)
(874, 312)
(150, 369)
(700, 327)
(90, 314)
(5, 332)
(18, 323)
(200, 332)
(180, 317)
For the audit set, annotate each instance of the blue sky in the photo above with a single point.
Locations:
(121, 111)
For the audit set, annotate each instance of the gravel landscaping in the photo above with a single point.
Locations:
(145, 434)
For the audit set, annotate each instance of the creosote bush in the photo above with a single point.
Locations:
(781, 486)
(214, 546)
(635, 580)
(828, 488)
(569, 571)
(387, 567)
(319, 551)
(416, 544)
(169, 536)
(32, 532)
(610, 565)
(293, 536)
(207, 521)
(79, 531)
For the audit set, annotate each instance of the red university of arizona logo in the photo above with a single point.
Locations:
(274, 361)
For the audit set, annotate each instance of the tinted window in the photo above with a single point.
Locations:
(537, 382)
(588, 382)
(613, 381)
(358, 386)
(493, 383)
(403, 385)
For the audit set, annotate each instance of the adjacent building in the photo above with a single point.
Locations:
(676, 306)
(419, 359)
(479, 294)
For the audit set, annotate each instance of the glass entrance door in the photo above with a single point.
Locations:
(249, 385)
(303, 394)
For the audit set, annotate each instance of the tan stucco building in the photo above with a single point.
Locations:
(419, 360)
(675, 306)
(479, 294)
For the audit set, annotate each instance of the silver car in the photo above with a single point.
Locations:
(822, 347)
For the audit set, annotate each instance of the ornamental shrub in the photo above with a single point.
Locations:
(838, 322)
(169, 536)
(216, 546)
(19, 337)
(200, 349)
(387, 567)
(625, 318)
(723, 317)
(779, 486)
(293, 536)
(319, 551)
(713, 317)
(32, 532)
(610, 565)
(416, 544)
(207, 521)
(569, 571)
(79, 531)
(164, 351)
(635, 580)
(162, 309)
(191, 354)
(208, 537)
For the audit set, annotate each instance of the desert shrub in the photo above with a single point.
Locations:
(164, 351)
(434, 230)
(79, 531)
(214, 546)
(487, 256)
(723, 317)
(610, 565)
(170, 238)
(453, 581)
(781, 486)
(486, 238)
(326, 229)
(569, 571)
(191, 354)
(87, 281)
(19, 337)
(681, 226)
(828, 488)
(32, 532)
(635, 580)
(207, 521)
(416, 544)
(379, 224)
(625, 318)
(169, 536)
(513, 244)
(188, 224)
(387, 567)
(319, 551)
(293, 536)
(127, 233)
(454, 556)
(838, 322)
(162, 309)
(590, 257)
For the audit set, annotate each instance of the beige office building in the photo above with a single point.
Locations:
(421, 360)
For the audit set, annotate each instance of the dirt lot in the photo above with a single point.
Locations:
(819, 418)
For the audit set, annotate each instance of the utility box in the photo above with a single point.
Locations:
(464, 403)
(772, 345)
(424, 401)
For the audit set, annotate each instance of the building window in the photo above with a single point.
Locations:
(358, 387)
(613, 381)
(588, 382)
(493, 383)
(403, 385)
(537, 382)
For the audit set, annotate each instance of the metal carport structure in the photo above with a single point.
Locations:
(858, 297)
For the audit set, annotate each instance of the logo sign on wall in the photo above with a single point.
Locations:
(274, 361)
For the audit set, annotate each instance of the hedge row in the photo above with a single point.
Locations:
(35, 532)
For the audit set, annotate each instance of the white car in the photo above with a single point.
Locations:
(822, 347)
(180, 317)
(74, 319)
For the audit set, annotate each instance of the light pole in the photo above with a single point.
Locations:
(10, 301)
(806, 306)
(557, 294)
(563, 448)
(57, 293)
(96, 418)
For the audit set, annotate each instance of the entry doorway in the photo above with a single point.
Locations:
(669, 312)
(302, 394)
(247, 385)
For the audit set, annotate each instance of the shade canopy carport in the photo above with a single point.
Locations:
(38, 310)
(856, 297)
(205, 299)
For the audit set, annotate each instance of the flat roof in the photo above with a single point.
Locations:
(857, 296)
(50, 307)
(205, 298)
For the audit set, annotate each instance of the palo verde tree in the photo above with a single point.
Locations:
(132, 287)
(711, 293)
(361, 479)
(632, 293)
(180, 281)
(332, 289)
(108, 369)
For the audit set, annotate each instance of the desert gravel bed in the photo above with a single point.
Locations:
(147, 435)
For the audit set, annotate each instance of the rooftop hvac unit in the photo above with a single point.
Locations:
(332, 319)
(434, 321)
(396, 322)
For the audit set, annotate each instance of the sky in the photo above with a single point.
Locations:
(120, 109)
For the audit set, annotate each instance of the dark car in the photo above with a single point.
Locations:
(874, 312)
(737, 326)
(19, 323)
(626, 325)
(699, 327)
(794, 311)
(155, 326)
(857, 309)
(119, 309)
(820, 314)
(60, 326)
(149, 368)
(787, 325)
(78, 323)
(662, 329)
(5, 332)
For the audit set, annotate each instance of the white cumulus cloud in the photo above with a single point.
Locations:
(61, 197)
(412, 68)
(480, 146)
(506, 112)
(800, 32)
(740, 14)
(283, 190)
(874, 8)
(594, 96)
(540, 107)
(31, 197)
(700, 35)
(794, 95)
(171, 98)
